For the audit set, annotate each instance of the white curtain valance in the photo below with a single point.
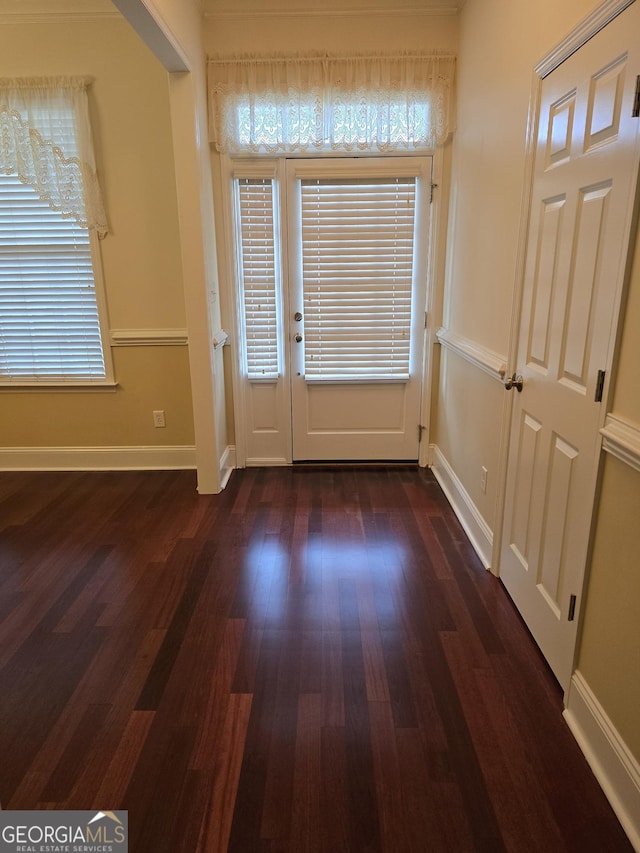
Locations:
(359, 103)
(45, 138)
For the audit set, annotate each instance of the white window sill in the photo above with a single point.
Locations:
(56, 387)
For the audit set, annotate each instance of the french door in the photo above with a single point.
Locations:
(357, 280)
(332, 275)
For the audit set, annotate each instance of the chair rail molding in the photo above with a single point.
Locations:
(621, 438)
(485, 359)
(149, 337)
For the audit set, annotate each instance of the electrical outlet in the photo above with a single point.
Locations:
(158, 419)
(483, 479)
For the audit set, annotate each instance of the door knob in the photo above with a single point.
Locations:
(514, 381)
(297, 316)
(297, 338)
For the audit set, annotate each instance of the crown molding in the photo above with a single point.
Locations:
(353, 12)
(60, 12)
(56, 18)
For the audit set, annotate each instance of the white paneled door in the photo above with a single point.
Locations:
(357, 246)
(582, 204)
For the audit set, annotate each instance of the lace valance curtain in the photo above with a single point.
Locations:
(45, 138)
(360, 103)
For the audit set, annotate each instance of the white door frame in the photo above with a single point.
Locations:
(433, 320)
(589, 27)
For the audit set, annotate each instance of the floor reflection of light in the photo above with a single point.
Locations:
(286, 581)
(353, 559)
(268, 562)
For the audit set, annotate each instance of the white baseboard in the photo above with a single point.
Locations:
(474, 525)
(227, 464)
(96, 458)
(613, 765)
(266, 461)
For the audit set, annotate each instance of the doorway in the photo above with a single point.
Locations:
(331, 288)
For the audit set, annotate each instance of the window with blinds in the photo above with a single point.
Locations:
(49, 323)
(357, 245)
(258, 275)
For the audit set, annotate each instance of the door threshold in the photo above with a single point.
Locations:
(314, 465)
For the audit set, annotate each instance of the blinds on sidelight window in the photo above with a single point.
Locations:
(257, 263)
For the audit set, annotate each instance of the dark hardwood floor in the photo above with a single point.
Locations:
(313, 660)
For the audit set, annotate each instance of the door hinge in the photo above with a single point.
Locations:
(572, 608)
(433, 187)
(421, 429)
(600, 386)
(636, 100)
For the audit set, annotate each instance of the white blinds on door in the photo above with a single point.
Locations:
(357, 257)
(257, 261)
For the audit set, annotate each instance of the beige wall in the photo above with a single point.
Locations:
(500, 43)
(609, 656)
(230, 34)
(465, 432)
(626, 397)
(140, 257)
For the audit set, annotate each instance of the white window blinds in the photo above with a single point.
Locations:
(49, 326)
(257, 259)
(357, 255)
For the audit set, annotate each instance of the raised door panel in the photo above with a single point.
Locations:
(585, 174)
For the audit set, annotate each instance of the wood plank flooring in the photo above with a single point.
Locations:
(313, 661)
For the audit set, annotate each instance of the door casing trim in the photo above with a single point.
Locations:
(435, 260)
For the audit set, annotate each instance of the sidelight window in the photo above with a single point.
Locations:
(257, 259)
